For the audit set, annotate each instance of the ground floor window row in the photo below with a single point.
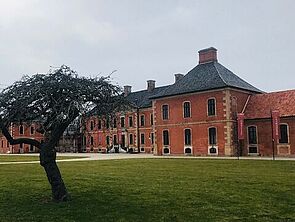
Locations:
(252, 137)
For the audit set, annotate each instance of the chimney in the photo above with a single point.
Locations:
(151, 85)
(127, 90)
(178, 76)
(207, 55)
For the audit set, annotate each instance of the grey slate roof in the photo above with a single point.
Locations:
(204, 77)
(142, 99)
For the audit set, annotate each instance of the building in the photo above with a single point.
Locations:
(196, 115)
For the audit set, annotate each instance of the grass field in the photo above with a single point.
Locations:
(18, 158)
(153, 190)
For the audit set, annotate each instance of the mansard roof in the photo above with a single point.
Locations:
(206, 76)
(260, 105)
(142, 99)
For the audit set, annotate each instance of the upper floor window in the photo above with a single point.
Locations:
(211, 107)
(212, 136)
(165, 138)
(187, 137)
(165, 112)
(152, 119)
(142, 120)
(130, 121)
(99, 124)
(21, 129)
(252, 135)
(107, 123)
(115, 122)
(152, 138)
(32, 130)
(91, 125)
(186, 109)
(284, 133)
(122, 120)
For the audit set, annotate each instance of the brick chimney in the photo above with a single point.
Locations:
(151, 85)
(127, 90)
(178, 76)
(207, 55)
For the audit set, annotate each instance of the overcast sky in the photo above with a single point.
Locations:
(151, 39)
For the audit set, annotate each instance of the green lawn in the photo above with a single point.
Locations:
(18, 158)
(153, 190)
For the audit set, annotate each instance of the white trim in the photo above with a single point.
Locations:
(143, 120)
(166, 147)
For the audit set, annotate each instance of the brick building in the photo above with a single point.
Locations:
(196, 115)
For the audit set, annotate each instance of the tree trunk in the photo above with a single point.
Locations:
(48, 162)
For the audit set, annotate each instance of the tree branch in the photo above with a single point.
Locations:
(12, 141)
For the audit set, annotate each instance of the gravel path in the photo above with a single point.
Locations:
(114, 156)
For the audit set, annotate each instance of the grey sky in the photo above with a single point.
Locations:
(149, 39)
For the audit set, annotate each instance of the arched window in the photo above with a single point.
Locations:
(212, 136)
(130, 139)
(115, 122)
(21, 129)
(187, 137)
(142, 138)
(186, 109)
(122, 120)
(108, 140)
(32, 129)
(165, 138)
(284, 138)
(130, 121)
(91, 125)
(211, 107)
(252, 135)
(165, 112)
(99, 124)
(142, 120)
(91, 141)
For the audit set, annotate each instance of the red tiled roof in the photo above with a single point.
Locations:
(259, 105)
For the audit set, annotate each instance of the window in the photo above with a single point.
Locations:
(165, 138)
(152, 138)
(186, 109)
(130, 121)
(31, 148)
(91, 141)
(115, 122)
(152, 119)
(252, 135)
(123, 141)
(108, 140)
(211, 107)
(115, 140)
(32, 130)
(21, 129)
(187, 137)
(284, 133)
(107, 123)
(188, 150)
(165, 112)
(21, 146)
(2, 143)
(122, 120)
(91, 125)
(142, 120)
(99, 124)
(142, 138)
(212, 136)
(142, 149)
(131, 139)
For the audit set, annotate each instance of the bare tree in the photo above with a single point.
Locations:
(55, 100)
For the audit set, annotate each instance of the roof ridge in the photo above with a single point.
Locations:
(219, 74)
